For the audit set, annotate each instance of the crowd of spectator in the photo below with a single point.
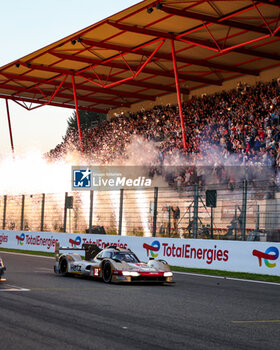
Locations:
(236, 127)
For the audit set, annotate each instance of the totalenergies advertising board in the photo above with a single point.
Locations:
(253, 257)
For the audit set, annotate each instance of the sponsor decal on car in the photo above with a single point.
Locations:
(121, 277)
(95, 271)
(76, 268)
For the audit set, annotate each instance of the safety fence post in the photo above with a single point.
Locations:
(90, 210)
(4, 212)
(65, 212)
(195, 211)
(211, 224)
(155, 211)
(42, 212)
(235, 221)
(169, 220)
(258, 218)
(120, 212)
(22, 212)
(244, 211)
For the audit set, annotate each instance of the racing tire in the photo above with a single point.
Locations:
(63, 266)
(107, 272)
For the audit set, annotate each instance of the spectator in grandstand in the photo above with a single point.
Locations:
(242, 125)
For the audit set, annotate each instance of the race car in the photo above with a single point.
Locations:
(2, 269)
(111, 264)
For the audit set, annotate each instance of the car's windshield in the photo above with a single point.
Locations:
(127, 257)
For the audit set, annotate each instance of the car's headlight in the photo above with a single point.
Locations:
(131, 273)
(168, 274)
(126, 273)
(135, 274)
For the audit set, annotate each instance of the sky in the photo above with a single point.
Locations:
(25, 27)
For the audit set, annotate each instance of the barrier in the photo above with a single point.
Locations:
(150, 212)
(252, 257)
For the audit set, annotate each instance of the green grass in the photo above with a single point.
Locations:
(32, 252)
(241, 275)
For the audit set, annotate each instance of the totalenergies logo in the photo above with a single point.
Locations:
(76, 242)
(267, 256)
(20, 239)
(154, 247)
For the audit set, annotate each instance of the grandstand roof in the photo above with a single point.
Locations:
(127, 58)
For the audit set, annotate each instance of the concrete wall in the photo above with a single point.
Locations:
(264, 76)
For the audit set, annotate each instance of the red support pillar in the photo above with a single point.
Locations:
(178, 94)
(10, 127)
(77, 113)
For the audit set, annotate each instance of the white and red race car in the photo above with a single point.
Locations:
(111, 264)
(2, 270)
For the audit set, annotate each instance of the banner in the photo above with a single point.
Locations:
(252, 257)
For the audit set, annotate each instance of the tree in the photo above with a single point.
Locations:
(87, 120)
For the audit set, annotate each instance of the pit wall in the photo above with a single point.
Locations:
(264, 76)
(236, 256)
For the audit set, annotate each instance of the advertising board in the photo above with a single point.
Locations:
(253, 257)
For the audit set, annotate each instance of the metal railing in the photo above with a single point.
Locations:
(244, 212)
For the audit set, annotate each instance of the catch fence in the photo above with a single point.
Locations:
(241, 212)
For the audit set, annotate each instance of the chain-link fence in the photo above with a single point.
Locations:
(239, 212)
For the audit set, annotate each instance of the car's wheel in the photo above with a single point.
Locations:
(63, 266)
(107, 272)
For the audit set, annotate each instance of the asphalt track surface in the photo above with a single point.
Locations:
(39, 310)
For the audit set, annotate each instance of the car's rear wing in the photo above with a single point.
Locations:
(91, 250)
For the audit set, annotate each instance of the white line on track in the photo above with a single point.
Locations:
(226, 278)
(13, 288)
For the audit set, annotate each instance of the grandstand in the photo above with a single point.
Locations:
(193, 84)
(238, 127)
(153, 49)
